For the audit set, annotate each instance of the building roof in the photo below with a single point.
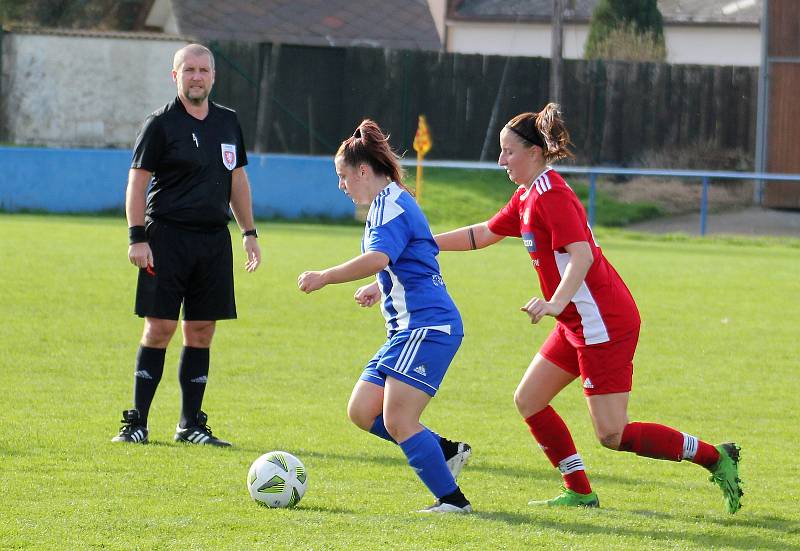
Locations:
(398, 24)
(716, 12)
(91, 33)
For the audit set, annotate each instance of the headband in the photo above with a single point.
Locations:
(537, 140)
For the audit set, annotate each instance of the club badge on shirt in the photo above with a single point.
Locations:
(229, 155)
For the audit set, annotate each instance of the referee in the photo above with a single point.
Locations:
(186, 176)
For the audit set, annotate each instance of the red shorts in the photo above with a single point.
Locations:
(604, 368)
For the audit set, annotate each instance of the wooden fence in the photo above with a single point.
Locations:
(301, 99)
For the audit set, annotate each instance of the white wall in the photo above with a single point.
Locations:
(523, 39)
(685, 44)
(714, 45)
(82, 91)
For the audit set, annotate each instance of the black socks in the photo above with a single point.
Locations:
(449, 448)
(456, 498)
(149, 369)
(193, 375)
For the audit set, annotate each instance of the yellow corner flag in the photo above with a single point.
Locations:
(422, 144)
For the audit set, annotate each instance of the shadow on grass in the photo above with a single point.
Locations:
(519, 474)
(746, 520)
(598, 525)
(544, 472)
(318, 509)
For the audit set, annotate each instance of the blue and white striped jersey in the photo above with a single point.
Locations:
(413, 291)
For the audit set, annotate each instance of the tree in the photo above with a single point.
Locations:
(626, 29)
(74, 14)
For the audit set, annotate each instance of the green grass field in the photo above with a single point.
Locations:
(718, 358)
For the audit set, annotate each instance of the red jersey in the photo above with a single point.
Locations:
(547, 217)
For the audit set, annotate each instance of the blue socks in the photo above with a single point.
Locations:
(426, 458)
(379, 429)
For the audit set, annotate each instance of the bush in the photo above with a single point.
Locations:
(682, 195)
(626, 29)
(627, 44)
(698, 156)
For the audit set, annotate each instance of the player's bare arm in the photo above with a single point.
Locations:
(242, 208)
(580, 261)
(139, 253)
(467, 238)
(369, 263)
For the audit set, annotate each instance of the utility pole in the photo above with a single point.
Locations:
(556, 51)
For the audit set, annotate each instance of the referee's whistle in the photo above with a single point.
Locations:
(196, 143)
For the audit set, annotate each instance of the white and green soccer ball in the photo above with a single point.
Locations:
(277, 479)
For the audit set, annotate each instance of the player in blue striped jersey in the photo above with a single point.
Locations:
(423, 324)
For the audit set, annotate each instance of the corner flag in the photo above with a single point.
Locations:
(422, 144)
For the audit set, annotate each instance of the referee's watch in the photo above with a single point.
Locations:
(252, 232)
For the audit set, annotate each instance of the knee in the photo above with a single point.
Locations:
(157, 334)
(393, 425)
(610, 438)
(199, 335)
(526, 402)
(399, 427)
(359, 416)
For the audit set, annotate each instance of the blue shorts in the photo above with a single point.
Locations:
(417, 357)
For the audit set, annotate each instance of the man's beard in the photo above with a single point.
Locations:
(197, 100)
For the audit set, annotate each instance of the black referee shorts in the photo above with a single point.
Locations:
(193, 269)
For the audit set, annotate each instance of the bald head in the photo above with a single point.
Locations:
(194, 50)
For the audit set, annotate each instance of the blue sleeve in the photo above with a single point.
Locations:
(391, 238)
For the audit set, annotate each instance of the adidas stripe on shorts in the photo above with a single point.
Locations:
(418, 357)
(605, 368)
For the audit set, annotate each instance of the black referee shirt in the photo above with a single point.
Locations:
(192, 162)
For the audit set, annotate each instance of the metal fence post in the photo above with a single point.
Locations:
(592, 196)
(704, 206)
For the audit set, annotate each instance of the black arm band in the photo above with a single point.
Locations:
(137, 234)
(252, 232)
(472, 238)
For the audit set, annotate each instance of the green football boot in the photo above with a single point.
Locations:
(570, 498)
(725, 474)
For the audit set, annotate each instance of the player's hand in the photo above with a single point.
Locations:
(311, 281)
(141, 256)
(253, 253)
(368, 295)
(537, 308)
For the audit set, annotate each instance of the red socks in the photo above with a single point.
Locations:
(662, 442)
(645, 439)
(554, 438)
(707, 455)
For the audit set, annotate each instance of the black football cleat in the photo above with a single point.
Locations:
(199, 433)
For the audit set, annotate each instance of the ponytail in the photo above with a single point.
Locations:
(370, 145)
(545, 129)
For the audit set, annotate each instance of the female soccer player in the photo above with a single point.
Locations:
(424, 326)
(597, 325)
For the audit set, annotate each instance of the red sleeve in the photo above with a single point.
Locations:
(559, 211)
(506, 221)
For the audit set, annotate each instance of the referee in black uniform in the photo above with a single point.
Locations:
(186, 177)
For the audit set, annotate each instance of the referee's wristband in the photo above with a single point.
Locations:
(252, 232)
(137, 234)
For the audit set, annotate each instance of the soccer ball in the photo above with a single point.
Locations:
(277, 479)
